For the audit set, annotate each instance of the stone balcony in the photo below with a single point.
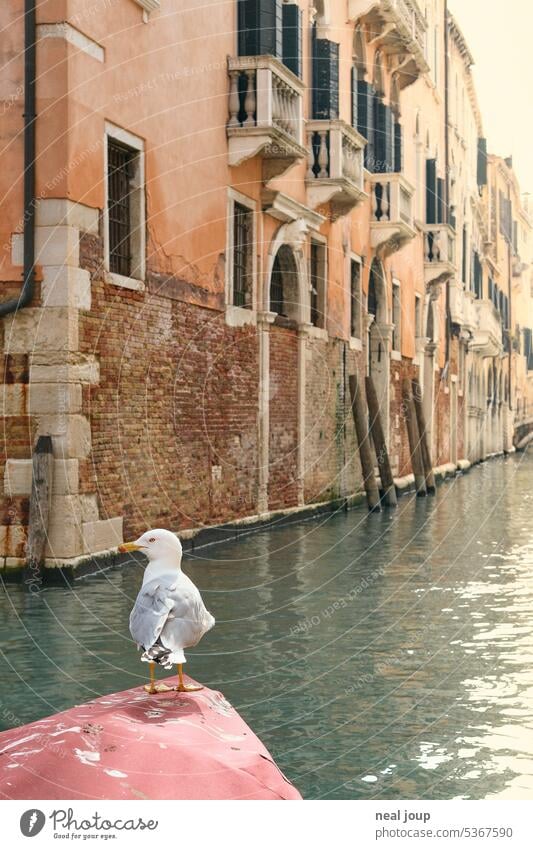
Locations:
(335, 174)
(400, 30)
(487, 337)
(391, 220)
(265, 114)
(439, 254)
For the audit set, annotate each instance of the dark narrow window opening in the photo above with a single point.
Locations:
(315, 283)
(355, 299)
(120, 171)
(242, 256)
(276, 289)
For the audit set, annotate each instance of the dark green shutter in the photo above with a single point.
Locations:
(482, 162)
(431, 191)
(441, 202)
(465, 253)
(365, 119)
(325, 79)
(355, 98)
(389, 140)
(398, 153)
(260, 28)
(380, 134)
(292, 38)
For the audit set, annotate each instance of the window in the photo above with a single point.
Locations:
(242, 256)
(120, 161)
(355, 299)
(396, 316)
(276, 289)
(325, 79)
(418, 316)
(317, 275)
(241, 263)
(124, 229)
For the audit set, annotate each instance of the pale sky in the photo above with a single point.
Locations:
(500, 36)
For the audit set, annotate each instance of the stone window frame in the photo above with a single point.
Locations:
(356, 342)
(396, 315)
(148, 5)
(239, 316)
(138, 211)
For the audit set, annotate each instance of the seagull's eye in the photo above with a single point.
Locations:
(152, 539)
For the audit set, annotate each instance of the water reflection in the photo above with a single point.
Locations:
(377, 656)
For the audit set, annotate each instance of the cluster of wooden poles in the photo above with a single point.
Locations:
(373, 447)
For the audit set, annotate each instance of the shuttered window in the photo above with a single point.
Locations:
(441, 201)
(528, 347)
(398, 148)
(325, 79)
(365, 122)
(121, 161)
(260, 28)
(431, 191)
(477, 275)
(482, 162)
(506, 218)
(383, 137)
(465, 254)
(292, 37)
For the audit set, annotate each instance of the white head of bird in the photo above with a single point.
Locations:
(157, 544)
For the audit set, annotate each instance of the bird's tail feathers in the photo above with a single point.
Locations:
(158, 653)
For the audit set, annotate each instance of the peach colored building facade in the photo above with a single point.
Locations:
(237, 207)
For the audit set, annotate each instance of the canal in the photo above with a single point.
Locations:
(378, 657)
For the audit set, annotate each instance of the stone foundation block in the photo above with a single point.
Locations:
(53, 246)
(102, 535)
(33, 329)
(54, 212)
(65, 286)
(18, 477)
(54, 398)
(74, 368)
(71, 435)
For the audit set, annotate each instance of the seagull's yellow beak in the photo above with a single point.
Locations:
(128, 546)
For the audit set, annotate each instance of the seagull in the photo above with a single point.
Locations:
(169, 614)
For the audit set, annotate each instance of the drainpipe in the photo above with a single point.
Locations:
(26, 293)
(447, 162)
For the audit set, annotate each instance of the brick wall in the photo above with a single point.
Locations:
(174, 416)
(332, 466)
(283, 418)
(399, 442)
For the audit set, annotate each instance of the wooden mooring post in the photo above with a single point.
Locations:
(414, 437)
(363, 440)
(380, 445)
(424, 441)
(41, 493)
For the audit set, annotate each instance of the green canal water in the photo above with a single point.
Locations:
(378, 657)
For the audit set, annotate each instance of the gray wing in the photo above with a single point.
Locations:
(188, 619)
(150, 613)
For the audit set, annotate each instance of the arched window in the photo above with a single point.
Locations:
(359, 53)
(284, 292)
